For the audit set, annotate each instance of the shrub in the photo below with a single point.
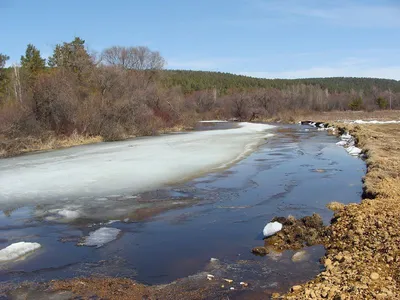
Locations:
(356, 104)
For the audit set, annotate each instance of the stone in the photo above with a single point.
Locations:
(339, 258)
(296, 288)
(327, 262)
(300, 256)
(335, 206)
(260, 251)
(374, 276)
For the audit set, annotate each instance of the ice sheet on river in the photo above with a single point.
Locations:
(131, 166)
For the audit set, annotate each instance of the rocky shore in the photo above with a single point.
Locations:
(363, 241)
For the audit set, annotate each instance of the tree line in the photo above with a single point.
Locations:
(125, 91)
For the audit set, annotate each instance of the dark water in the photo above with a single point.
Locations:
(179, 228)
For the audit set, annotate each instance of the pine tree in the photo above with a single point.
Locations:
(72, 56)
(32, 62)
(3, 74)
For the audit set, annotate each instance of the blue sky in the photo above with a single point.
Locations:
(262, 38)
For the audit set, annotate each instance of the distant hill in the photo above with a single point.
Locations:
(200, 80)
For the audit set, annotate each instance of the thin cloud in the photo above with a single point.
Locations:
(343, 13)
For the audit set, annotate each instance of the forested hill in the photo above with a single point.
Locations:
(201, 80)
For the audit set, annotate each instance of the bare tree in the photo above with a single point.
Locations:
(134, 58)
(17, 83)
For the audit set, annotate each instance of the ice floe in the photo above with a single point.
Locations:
(17, 250)
(101, 237)
(272, 228)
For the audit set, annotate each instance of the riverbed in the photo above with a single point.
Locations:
(174, 230)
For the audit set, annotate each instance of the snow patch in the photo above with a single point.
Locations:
(348, 142)
(272, 228)
(373, 122)
(213, 121)
(17, 250)
(101, 236)
(341, 143)
(353, 150)
(345, 137)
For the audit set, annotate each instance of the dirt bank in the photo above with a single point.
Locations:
(363, 249)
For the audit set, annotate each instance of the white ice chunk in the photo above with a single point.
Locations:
(272, 228)
(352, 150)
(69, 214)
(17, 250)
(346, 136)
(101, 236)
(341, 143)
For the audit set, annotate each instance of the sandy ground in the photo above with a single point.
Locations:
(363, 249)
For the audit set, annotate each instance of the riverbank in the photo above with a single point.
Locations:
(363, 250)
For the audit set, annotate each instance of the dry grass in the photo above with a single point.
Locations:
(32, 144)
(17, 146)
(382, 145)
(363, 250)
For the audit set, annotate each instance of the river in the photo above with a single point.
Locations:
(171, 227)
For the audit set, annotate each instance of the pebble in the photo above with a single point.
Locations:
(327, 262)
(374, 276)
(300, 256)
(296, 288)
